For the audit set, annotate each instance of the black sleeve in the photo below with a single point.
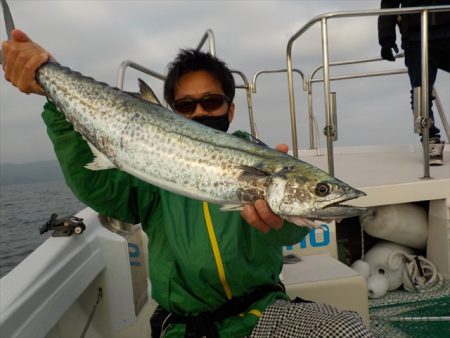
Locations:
(386, 23)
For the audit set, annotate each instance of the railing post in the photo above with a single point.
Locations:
(269, 71)
(212, 43)
(312, 144)
(291, 99)
(326, 81)
(425, 99)
(248, 90)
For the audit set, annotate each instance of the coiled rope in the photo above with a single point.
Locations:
(419, 274)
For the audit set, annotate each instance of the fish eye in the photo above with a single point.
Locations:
(322, 189)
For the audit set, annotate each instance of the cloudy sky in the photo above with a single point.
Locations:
(94, 37)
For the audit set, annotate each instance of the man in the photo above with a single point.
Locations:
(211, 273)
(438, 52)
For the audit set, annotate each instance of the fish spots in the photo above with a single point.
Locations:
(176, 154)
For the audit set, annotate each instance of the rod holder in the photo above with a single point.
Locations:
(417, 106)
(333, 108)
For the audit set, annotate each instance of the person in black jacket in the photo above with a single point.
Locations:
(438, 51)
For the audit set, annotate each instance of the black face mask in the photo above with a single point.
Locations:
(216, 122)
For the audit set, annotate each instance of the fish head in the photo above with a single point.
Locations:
(309, 192)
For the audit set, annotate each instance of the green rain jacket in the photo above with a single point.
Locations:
(199, 256)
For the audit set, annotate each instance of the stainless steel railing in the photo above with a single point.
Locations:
(130, 64)
(323, 19)
(311, 80)
(209, 36)
(274, 71)
(330, 129)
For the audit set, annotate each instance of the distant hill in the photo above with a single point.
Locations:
(34, 172)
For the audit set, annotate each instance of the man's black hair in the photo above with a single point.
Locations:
(190, 60)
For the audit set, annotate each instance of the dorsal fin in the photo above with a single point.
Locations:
(147, 93)
(245, 135)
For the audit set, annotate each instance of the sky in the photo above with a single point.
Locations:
(94, 37)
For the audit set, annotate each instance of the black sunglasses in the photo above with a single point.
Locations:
(208, 102)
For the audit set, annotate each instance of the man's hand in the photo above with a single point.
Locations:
(386, 50)
(259, 215)
(21, 59)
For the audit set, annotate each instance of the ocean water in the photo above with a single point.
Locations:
(24, 208)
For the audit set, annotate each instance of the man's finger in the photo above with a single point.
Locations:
(19, 36)
(284, 148)
(5, 50)
(27, 81)
(267, 216)
(250, 215)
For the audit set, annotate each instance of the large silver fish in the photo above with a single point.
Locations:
(169, 151)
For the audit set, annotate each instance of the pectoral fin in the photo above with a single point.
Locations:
(101, 162)
(253, 171)
(232, 207)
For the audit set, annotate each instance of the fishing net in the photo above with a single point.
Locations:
(405, 314)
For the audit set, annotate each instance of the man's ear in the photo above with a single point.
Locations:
(231, 112)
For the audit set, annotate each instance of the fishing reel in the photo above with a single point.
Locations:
(63, 227)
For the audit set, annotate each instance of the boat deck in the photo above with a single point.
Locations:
(388, 174)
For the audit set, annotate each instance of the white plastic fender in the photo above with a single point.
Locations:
(386, 258)
(404, 224)
(362, 267)
(377, 285)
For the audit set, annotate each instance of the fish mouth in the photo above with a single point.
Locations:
(337, 210)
